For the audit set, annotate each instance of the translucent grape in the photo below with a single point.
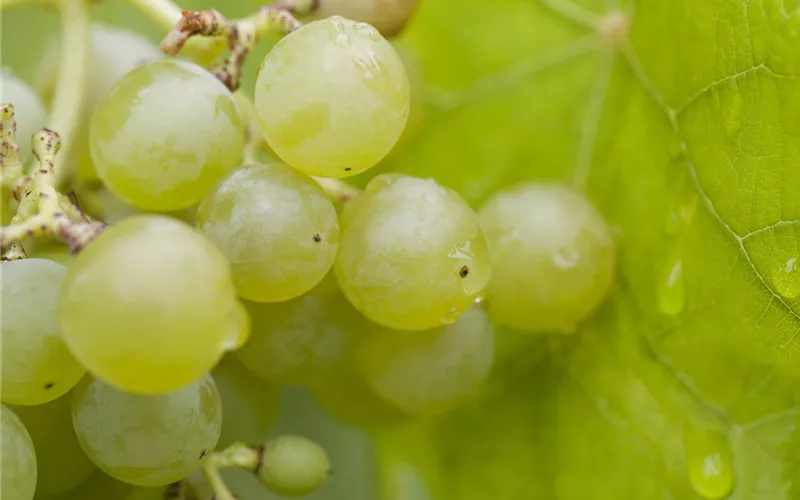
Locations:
(62, 464)
(149, 306)
(293, 465)
(248, 404)
(552, 257)
(277, 227)
(348, 397)
(431, 371)
(101, 486)
(332, 98)
(37, 366)
(165, 134)
(302, 341)
(147, 440)
(18, 471)
(28, 110)
(114, 53)
(411, 254)
(388, 16)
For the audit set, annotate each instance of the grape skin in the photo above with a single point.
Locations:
(293, 465)
(18, 466)
(149, 306)
(249, 405)
(29, 112)
(411, 253)
(432, 371)
(62, 464)
(388, 16)
(114, 53)
(147, 440)
(552, 257)
(277, 227)
(37, 366)
(165, 134)
(302, 341)
(332, 98)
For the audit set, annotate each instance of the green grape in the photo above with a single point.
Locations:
(431, 371)
(388, 16)
(411, 254)
(552, 257)
(37, 366)
(149, 306)
(147, 440)
(277, 227)
(165, 134)
(293, 465)
(114, 53)
(349, 398)
(250, 406)
(18, 469)
(28, 110)
(302, 341)
(61, 462)
(332, 98)
(101, 486)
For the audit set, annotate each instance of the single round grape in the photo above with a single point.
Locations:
(149, 306)
(114, 53)
(249, 405)
(552, 257)
(37, 366)
(277, 227)
(431, 371)
(62, 464)
(411, 254)
(332, 98)
(388, 16)
(165, 134)
(293, 465)
(302, 341)
(147, 440)
(29, 112)
(18, 471)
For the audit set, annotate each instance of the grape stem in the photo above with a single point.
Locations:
(41, 209)
(238, 455)
(338, 189)
(70, 86)
(242, 35)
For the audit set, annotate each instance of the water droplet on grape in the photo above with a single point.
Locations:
(566, 258)
(671, 294)
(786, 278)
(461, 252)
(367, 31)
(480, 298)
(451, 316)
(680, 217)
(709, 463)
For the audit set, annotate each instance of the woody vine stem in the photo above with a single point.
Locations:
(32, 191)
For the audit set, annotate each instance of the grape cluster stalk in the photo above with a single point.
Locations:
(216, 254)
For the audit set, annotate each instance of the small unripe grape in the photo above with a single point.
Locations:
(552, 257)
(332, 98)
(388, 16)
(293, 465)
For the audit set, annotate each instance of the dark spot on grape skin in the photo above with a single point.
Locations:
(463, 272)
(203, 454)
(48, 386)
(317, 238)
(348, 169)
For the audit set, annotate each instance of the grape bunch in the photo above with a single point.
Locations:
(223, 274)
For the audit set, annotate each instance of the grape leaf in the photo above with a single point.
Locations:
(679, 120)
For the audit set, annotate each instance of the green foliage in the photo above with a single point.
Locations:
(687, 139)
